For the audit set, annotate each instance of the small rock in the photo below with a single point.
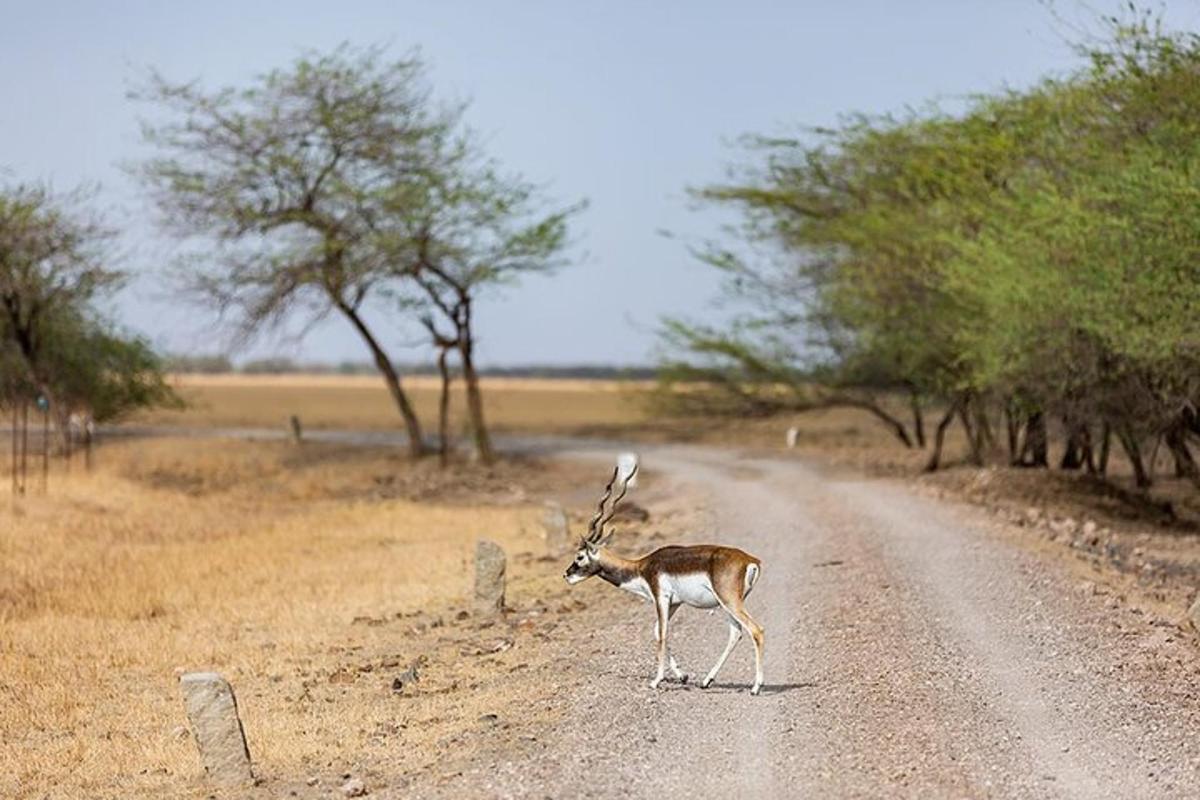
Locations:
(555, 529)
(212, 711)
(489, 576)
(354, 788)
(1089, 528)
(490, 719)
(406, 678)
(313, 781)
(1033, 514)
(1194, 613)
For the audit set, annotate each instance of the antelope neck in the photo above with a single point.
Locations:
(617, 570)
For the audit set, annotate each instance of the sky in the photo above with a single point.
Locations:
(624, 104)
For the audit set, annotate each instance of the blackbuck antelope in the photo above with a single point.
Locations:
(702, 576)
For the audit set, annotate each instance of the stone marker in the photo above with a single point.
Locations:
(1194, 613)
(627, 463)
(555, 528)
(297, 429)
(212, 712)
(793, 434)
(489, 576)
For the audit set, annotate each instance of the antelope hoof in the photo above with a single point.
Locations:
(684, 677)
(707, 682)
(756, 689)
(654, 683)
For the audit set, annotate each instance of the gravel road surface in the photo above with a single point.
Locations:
(913, 650)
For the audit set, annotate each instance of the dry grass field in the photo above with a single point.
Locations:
(309, 575)
(363, 403)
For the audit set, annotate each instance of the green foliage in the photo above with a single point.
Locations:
(1042, 247)
(53, 267)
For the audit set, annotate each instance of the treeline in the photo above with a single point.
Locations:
(1030, 268)
(219, 364)
(59, 355)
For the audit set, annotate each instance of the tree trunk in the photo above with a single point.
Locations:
(1133, 450)
(15, 448)
(1072, 457)
(894, 425)
(416, 441)
(973, 435)
(1013, 428)
(1185, 464)
(24, 446)
(1034, 452)
(444, 409)
(466, 346)
(914, 402)
(983, 427)
(1085, 446)
(939, 437)
(1105, 448)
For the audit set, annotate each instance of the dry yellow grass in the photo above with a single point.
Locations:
(291, 570)
(362, 402)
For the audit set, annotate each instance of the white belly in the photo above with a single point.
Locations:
(693, 590)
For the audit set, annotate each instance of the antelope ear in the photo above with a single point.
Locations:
(607, 538)
(589, 546)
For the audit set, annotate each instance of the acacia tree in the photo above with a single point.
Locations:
(290, 178)
(476, 230)
(53, 266)
(53, 261)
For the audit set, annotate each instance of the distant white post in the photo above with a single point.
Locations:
(627, 464)
(793, 434)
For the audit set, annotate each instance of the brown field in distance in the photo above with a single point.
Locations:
(362, 402)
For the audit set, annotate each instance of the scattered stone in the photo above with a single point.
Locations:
(408, 677)
(555, 528)
(489, 576)
(1089, 528)
(490, 719)
(1033, 514)
(354, 788)
(212, 712)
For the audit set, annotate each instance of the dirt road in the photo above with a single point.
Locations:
(913, 649)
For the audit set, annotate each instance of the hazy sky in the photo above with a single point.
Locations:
(623, 103)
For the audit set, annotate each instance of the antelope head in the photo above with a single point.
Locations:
(586, 562)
